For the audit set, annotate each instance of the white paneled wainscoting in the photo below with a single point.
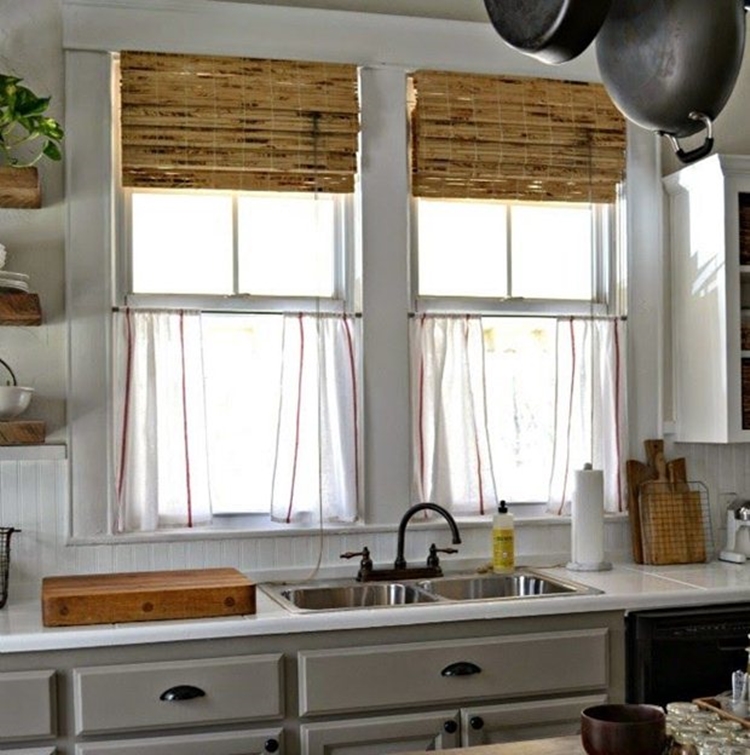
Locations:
(34, 498)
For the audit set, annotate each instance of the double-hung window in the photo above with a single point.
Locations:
(237, 365)
(517, 338)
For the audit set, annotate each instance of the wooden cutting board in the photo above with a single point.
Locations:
(638, 473)
(145, 596)
(671, 517)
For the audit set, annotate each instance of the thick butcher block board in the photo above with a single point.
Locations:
(145, 596)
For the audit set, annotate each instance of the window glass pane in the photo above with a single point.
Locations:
(241, 408)
(520, 371)
(462, 248)
(286, 244)
(181, 243)
(551, 251)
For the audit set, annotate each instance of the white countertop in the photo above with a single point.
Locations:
(626, 587)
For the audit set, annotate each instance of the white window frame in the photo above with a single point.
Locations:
(605, 278)
(343, 299)
(380, 44)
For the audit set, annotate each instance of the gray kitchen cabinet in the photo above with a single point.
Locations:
(517, 668)
(433, 730)
(28, 708)
(362, 691)
(31, 751)
(535, 719)
(231, 743)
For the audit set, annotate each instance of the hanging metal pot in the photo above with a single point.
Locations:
(671, 65)
(553, 31)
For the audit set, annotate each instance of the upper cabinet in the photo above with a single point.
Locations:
(709, 233)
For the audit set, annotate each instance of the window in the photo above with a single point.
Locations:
(381, 200)
(237, 336)
(515, 229)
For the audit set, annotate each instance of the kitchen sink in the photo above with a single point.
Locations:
(501, 586)
(336, 595)
(330, 597)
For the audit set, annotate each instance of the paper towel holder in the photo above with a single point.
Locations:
(577, 564)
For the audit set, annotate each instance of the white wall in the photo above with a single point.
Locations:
(33, 494)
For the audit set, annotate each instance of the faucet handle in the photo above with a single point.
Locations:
(432, 559)
(365, 565)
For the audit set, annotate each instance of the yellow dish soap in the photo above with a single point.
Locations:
(503, 546)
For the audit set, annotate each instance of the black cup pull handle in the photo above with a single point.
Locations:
(181, 692)
(461, 668)
(476, 723)
(271, 745)
(450, 726)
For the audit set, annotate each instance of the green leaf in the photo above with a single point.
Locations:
(52, 151)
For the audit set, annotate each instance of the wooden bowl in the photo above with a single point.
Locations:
(623, 729)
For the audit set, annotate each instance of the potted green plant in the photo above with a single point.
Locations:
(26, 136)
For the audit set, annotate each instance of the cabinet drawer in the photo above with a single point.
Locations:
(229, 743)
(391, 676)
(129, 697)
(28, 705)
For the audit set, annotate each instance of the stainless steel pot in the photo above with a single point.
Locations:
(553, 31)
(671, 65)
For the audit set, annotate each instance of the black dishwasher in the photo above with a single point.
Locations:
(684, 653)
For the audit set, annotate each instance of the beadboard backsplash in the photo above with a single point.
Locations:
(34, 499)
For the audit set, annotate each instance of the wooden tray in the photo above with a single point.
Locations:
(145, 596)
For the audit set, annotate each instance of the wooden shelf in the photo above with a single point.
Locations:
(19, 188)
(20, 308)
(22, 433)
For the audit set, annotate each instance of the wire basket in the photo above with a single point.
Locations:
(5, 533)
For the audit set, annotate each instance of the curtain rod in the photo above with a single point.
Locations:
(461, 315)
(219, 311)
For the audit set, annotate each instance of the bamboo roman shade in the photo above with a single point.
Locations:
(490, 137)
(206, 122)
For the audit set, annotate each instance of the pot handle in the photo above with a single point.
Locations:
(696, 154)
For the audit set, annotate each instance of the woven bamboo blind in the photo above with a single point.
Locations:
(489, 137)
(237, 123)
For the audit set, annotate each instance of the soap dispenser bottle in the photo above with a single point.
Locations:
(503, 546)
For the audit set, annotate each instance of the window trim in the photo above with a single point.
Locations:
(380, 43)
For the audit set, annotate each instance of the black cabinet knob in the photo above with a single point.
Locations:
(181, 692)
(450, 726)
(271, 745)
(476, 722)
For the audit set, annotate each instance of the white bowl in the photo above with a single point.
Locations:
(14, 399)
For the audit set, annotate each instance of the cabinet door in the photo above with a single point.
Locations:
(28, 708)
(261, 742)
(32, 751)
(437, 730)
(539, 719)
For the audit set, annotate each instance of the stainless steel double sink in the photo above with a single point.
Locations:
(337, 595)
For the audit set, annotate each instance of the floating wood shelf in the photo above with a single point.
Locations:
(20, 308)
(22, 433)
(19, 188)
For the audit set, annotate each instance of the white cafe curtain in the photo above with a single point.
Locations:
(163, 471)
(590, 408)
(316, 475)
(452, 460)
(160, 454)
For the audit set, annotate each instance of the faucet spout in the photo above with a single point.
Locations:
(400, 560)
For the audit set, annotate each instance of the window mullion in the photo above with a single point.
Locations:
(509, 249)
(235, 244)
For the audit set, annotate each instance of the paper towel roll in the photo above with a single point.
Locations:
(587, 521)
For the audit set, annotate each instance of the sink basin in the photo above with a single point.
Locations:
(336, 595)
(328, 597)
(501, 586)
